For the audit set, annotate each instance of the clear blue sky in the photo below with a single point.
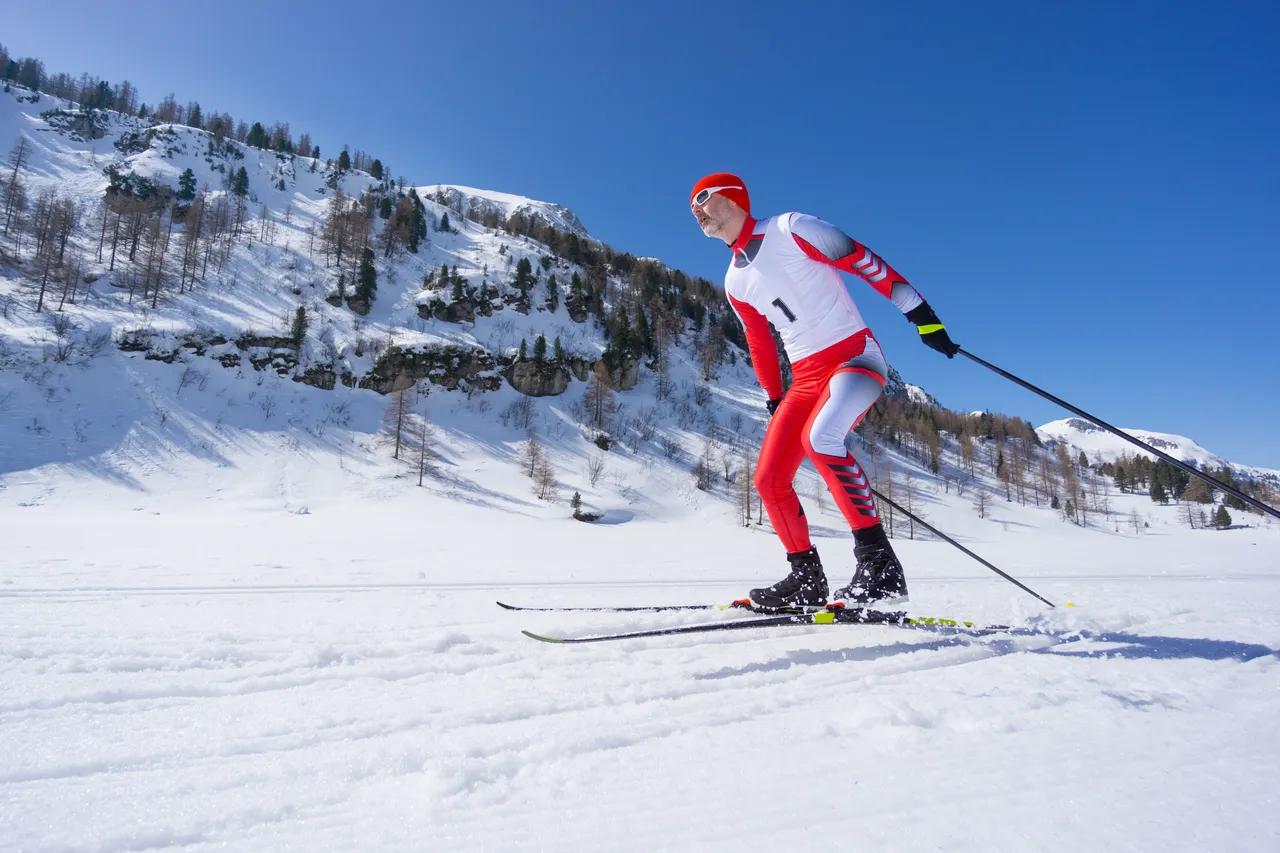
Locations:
(1088, 193)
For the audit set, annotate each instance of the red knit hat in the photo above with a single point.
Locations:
(735, 189)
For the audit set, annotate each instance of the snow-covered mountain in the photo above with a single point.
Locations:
(449, 317)
(114, 377)
(918, 395)
(1100, 445)
(248, 587)
(475, 203)
(452, 311)
(453, 296)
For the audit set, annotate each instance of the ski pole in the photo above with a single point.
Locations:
(927, 526)
(1212, 481)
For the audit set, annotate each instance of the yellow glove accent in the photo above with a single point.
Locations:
(930, 329)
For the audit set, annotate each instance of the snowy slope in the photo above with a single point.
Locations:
(272, 279)
(1099, 444)
(469, 199)
(302, 654)
(259, 288)
(918, 395)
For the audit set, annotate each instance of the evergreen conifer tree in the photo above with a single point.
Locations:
(540, 349)
(344, 161)
(644, 332)
(257, 136)
(553, 293)
(298, 330)
(621, 338)
(187, 185)
(367, 281)
(1222, 518)
(419, 229)
(524, 274)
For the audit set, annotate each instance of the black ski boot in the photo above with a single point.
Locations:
(878, 578)
(804, 586)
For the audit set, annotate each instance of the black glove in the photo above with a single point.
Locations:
(931, 330)
(773, 405)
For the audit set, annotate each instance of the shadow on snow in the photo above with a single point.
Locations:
(1133, 647)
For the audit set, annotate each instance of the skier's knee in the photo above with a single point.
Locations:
(767, 483)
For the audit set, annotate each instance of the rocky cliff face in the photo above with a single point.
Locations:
(449, 367)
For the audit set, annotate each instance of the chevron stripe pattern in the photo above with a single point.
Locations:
(870, 266)
(855, 484)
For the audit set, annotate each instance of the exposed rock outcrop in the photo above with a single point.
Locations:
(450, 367)
(318, 376)
(538, 379)
(398, 367)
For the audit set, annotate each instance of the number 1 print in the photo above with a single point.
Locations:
(782, 306)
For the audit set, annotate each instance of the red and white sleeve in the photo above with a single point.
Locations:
(764, 352)
(827, 244)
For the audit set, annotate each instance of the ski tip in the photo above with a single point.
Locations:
(506, 606)
(541, 637)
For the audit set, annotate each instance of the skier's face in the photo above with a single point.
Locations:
(715, 218)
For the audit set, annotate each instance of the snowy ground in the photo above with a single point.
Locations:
(206, 666)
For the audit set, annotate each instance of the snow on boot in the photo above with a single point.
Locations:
(878, 578)
(804, 586)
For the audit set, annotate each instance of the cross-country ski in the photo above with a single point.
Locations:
(844, 616)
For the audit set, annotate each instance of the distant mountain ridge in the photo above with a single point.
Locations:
(474, 203)
(1098, 443)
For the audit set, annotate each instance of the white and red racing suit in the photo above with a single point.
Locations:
(786, 270)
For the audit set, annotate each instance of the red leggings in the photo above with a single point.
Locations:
(830, 393)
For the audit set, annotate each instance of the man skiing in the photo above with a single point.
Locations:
(785, 270)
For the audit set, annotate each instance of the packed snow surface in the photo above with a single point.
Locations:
(289, 652)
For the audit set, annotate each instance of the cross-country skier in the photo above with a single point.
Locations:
(785, 270)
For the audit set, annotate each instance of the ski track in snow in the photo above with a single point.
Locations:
(411, 718)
